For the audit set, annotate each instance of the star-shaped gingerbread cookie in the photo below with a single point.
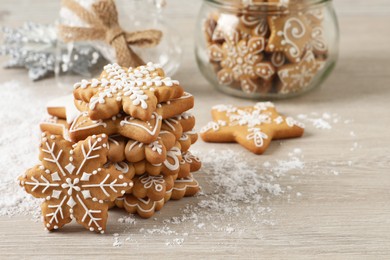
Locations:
(253, 127)
(136, 91)
(73, 180)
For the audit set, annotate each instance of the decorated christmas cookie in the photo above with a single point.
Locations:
(166, 109)
(153, 153)
(187, 139)
(241, 61)
(153, 187)
(295, 77)
(290, 35)
(74, 183)
(253, 127)
(136, 91)
(192, 160)
(145, 208)
(179, 124)
(54, 125)
(185, 187)
(142, 131)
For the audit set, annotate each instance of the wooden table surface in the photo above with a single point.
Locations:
(339, 203)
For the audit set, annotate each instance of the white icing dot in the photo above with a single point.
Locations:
(44, 139)
(71, 159)
(41, 167)
(99, 139)
(91, 229)
(55, 227)
(123, 192)
(94, 136)
(94, 199)
(71, 152)
(48, 198)
(94, 172)
(47, 225)
(120, 176)
(104, 135)
(102, 232)
(99, 169)
(52, 137)
(104, 145)
(101, 201)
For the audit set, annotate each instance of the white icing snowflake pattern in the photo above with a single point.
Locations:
(299, 76)
(131, 86)
(71, 184)
(250, 118)
(241, 61)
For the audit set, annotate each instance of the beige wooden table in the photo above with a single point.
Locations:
(339, 206)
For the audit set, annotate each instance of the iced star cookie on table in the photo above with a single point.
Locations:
(254, 127)
(72, 180)
(136, 91)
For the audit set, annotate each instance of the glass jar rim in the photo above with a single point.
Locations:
(264, 7)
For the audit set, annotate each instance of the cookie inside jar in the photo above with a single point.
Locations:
(266, 48)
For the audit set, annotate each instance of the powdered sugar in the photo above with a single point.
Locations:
(19, 138)
(321, 120)
(234, 187)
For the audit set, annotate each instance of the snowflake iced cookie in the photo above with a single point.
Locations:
(241, 60)
(142, 131)
(185, 187)
(253, 127)
(74, 182)
(136, 91)
(295, 77)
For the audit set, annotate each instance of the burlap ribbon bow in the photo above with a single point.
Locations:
(103, 25)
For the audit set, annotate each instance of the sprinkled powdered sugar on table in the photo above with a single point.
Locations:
(19, 140)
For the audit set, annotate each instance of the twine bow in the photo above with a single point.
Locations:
(103, 25)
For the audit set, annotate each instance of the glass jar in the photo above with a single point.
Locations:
(266, 49)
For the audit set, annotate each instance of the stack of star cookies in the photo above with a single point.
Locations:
(145, 115)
